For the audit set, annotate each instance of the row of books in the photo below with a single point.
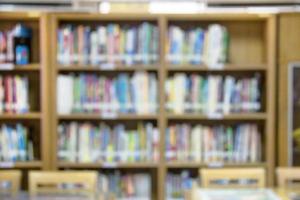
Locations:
(177, 184)
(14, 94)
(198, 46)
(111, 43)
(213, 93)
(120, 94)
(214, 144)
(6, 46)
(15, 144)
(115, 185)
(86, 142)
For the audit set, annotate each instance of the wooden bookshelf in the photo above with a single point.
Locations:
(252, 49)
(225, 68)
(37, 72)
(288, 53)
(120, 68)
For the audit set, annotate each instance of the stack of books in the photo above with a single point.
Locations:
(111, 43)
(177, 184)
(214, 144)
(6, 46)
(127, 186)
(90, 93)
(15, 144)
(213, 94)
(198, 46)
(14, 94)
(85, 142)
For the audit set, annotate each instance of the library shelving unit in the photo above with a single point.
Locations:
(251, 50)
(130, 120)
(36, 118)
(287, 54)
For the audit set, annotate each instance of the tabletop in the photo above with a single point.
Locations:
(244, 194)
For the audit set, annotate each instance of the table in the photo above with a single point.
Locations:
(243, 194)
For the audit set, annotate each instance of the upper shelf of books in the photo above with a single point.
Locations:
(204, 42)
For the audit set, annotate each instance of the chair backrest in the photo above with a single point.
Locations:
(84, 182)
(287, 175)
(233, 178)
(10, 181)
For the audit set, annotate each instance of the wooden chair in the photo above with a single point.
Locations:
(83, 182)
(13, 178)
(233, 178)
(287, 175)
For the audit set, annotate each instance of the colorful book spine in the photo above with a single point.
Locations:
(15, 144)
(212, 94)
(177, 184)
(89, 93)
(6, 47)
(110, 44)
(214, 144)
(115, 185)
(198, 46)
(14, 94)
(85, 142)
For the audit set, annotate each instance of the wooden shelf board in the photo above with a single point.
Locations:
(29, 67)
(227, 67)
(103, 117)
(108, 165)
(21, 165)
(212, 165)
(68, 68)
(31, 115)
(241, 116)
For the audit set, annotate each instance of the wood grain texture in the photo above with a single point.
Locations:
(289, 51)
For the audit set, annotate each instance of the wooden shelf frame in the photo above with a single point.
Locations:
(264, 62)
(39, 22)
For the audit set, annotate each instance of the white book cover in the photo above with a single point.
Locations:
(73, 141)
(179, 91)
(64, 94)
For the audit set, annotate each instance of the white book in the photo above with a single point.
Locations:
(94, 48)
(73, 141)
(212, 94)
(179, 92)
(64, 94)
(228, 92)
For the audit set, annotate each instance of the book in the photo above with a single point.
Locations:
(14, 94)
(197, 46)
(15, 144)
(87, 142)
(108, 44)
(118, 185)
(239, 143)
(213, 94)
(90, 93)
(178, 183)
(6, 46)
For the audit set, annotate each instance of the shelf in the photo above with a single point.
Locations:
(227, 67)
(107, 165)
(107, 117)
(117, 68)
(12, 67)
(31, 115)
(19, 165)
(188, 164)
(241, 116)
